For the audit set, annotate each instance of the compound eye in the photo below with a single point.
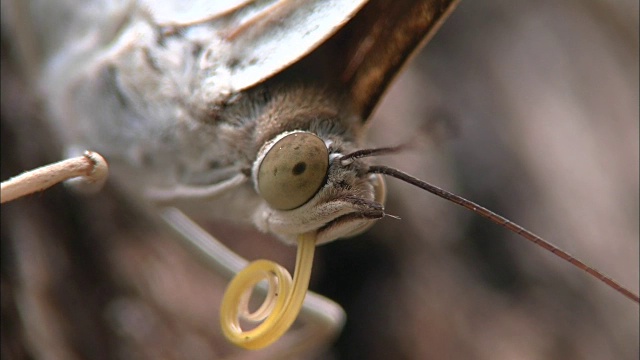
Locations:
(293, 170)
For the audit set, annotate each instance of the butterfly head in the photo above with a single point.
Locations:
(307, 186)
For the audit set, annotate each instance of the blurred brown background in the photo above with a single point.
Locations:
(528, 108)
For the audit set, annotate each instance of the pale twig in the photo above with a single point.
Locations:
(91, 167)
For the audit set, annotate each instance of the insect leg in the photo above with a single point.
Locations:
(182, 192)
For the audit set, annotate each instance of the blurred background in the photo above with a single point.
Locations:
(531, 110)
(527, 108)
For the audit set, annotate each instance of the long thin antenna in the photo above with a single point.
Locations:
(506, 224)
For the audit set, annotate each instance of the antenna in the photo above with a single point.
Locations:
(506, 223)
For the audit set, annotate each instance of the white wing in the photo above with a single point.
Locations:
(247, 41)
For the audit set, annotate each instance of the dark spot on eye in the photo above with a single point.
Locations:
(299, 168)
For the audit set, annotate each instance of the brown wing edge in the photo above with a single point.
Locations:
(385, 44)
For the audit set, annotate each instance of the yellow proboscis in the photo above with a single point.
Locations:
(281, 305)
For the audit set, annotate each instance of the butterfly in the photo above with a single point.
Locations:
(301, 64)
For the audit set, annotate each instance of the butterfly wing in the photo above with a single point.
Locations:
(388, 43)
(250, 41)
